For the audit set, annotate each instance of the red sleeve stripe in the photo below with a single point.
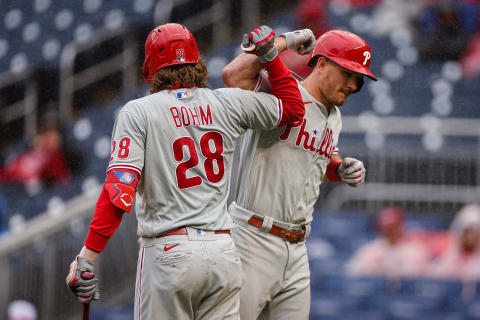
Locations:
(125, 166)
(272, 34)
(280, 111)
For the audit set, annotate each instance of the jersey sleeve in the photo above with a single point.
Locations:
(128, 141)
(263, 85)
(252, 110)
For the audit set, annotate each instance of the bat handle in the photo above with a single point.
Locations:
(86, 311)
(247, 46)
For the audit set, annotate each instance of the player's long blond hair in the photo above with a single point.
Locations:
(185, 75)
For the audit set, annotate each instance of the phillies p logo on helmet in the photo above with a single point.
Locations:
(346, 49)
(367, 56)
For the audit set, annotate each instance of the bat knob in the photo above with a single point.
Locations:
(246, 45)
(87, 275)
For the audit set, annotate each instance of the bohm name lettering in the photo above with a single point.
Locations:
(191, 116)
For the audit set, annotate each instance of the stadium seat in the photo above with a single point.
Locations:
(333, 306)
(432, 288)
(405, 306)
(111, 313)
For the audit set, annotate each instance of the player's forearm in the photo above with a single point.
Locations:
(285, 88)
(243, 71)
(89, 254)
(105, 222)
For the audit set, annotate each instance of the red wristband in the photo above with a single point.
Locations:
(332, 170)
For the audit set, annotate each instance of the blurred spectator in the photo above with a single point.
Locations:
(313, 15)
(393, 254)
(461, 260)
(43, 162)
(390, 15)
(21, 310)
(444, 28)
(470, 61)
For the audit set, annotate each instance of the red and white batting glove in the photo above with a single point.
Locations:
(82, 281)
(351, 171)
(264, 38)
(301, 41)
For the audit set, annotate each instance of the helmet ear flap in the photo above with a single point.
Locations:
(360, 83)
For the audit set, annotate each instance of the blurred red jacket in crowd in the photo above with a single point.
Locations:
(44, 162)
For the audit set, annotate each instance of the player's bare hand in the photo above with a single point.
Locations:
(352, 172)
(301, 41)
(263, 38)
(82, 281)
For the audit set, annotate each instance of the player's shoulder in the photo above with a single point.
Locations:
(237, 94)
(136, 107)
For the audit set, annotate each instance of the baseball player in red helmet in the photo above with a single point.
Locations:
(173, 150)
(281, 171)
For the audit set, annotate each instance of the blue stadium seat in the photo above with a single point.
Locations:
(404, 306)
(433, 288)
(333, 306)
(111, 313)
(346, 224)
(350, 286)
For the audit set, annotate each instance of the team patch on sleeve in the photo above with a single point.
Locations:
(124, 177)
(121, 195)
(121, 186)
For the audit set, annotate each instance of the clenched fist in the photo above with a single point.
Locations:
(301, 41)
(82, 281)
(352, 172)
(263, 38)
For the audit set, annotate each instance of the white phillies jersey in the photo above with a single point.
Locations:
(182, 143)
(281, 170)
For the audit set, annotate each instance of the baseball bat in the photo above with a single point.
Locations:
(247, 46)
(86, 311)
(86, 306)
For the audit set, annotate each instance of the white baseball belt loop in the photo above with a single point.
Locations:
(266, 224)
(308, 228)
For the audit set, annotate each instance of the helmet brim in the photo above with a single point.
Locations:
(354, 66)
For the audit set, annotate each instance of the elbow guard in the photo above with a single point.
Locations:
(121, 186)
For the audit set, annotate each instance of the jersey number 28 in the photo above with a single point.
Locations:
(211, 156)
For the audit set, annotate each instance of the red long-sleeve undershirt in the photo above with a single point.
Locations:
(106, 220)
(107, 216)
(285, 87)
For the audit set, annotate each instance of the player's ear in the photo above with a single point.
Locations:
(322, 62)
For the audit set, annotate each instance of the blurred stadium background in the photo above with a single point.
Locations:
(417, 130)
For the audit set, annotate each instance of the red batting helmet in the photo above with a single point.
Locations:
(168, 45)
(346, 49)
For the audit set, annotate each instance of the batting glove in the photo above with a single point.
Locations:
(352, 172)
(301, 41)
(263, 38)
(82, 281)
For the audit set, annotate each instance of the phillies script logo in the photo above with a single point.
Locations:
(325, 149)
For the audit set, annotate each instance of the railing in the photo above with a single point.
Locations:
(34, 261)
(217, 16)
(406, 175)
(25, 107)
(72, 81)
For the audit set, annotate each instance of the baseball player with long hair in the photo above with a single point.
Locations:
(281, 171)
(173, 149)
